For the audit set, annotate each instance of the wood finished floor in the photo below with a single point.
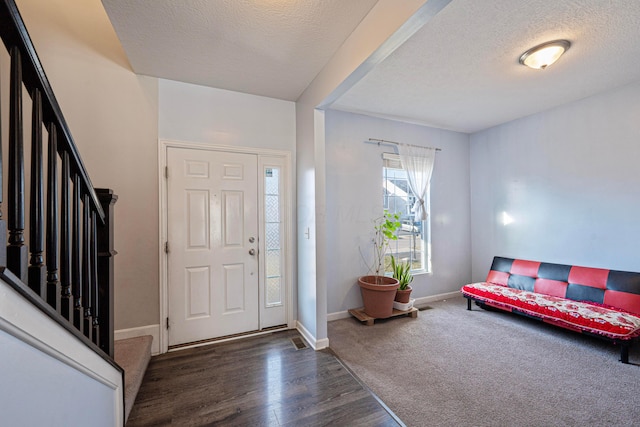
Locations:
(262, 381)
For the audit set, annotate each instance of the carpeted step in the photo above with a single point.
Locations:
(133, 355)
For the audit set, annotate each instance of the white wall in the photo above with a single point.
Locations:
(386, 26)
(206, 115)
(195, 113)
(49, 377)
(307, 231)
(112, 114)
(568, 177)
(354, 199)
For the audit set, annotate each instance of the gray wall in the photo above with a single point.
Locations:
(568, 178)
(354, 199)
(113, 117)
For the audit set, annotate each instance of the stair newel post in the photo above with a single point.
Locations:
(53, 292)
(16, 251)
(66, 296)
(37, 269)
(86, 272)
(3, 223)
(106, 254)
(76, 238)
(94, 279)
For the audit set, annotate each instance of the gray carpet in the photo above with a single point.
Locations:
(452, 367)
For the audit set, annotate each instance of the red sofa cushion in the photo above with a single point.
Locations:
(576, 315)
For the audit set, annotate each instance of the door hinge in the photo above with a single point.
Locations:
(166, 172)
(166, 247)
(167, 323)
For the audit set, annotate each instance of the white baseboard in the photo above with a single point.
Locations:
(433, 298)
(337, 315)
(419, 301)
(323, 343)
(153, 330)
(315, 344)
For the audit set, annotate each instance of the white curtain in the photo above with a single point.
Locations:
(418, 162)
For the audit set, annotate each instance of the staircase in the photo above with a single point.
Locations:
(56, 256)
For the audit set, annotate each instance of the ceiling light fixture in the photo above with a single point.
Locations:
(545, 54)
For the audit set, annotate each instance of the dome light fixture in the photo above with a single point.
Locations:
(545, 54)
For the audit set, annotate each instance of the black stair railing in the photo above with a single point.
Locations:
(66, 269)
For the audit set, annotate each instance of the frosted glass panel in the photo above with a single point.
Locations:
(272, 208)
(272, 181)
(274, 291)
(273, 234)
(273, 262)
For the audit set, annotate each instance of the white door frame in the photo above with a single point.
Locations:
(163, 232)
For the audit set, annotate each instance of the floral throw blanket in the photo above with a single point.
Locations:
(579, 315)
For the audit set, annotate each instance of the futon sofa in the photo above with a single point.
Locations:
(594, 301)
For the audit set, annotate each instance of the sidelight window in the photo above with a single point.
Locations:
(274, 234)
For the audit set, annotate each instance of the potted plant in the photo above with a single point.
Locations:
(378, 291)
(402, 272)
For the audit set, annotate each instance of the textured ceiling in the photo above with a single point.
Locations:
(264, 47)
(461, 70)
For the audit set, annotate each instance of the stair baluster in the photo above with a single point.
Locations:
(94, 279)
(37, 269)
(66, 296)
(16, 251)
(76, 271)
(53, 284)
(85, 273)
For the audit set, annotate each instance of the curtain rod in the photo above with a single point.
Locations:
(385, 142)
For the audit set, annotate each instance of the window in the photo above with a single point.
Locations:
(274, 236)
(413, 244)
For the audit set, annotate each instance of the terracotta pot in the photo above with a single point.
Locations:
(378, 293)
(403, 296)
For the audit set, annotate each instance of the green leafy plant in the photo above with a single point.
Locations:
(402, 273)
(385, 228)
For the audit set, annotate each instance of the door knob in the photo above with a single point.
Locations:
(252, 239)
(252, 251)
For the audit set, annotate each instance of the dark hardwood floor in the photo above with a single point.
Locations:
(261, 381)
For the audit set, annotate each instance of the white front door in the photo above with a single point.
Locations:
(213, 264)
